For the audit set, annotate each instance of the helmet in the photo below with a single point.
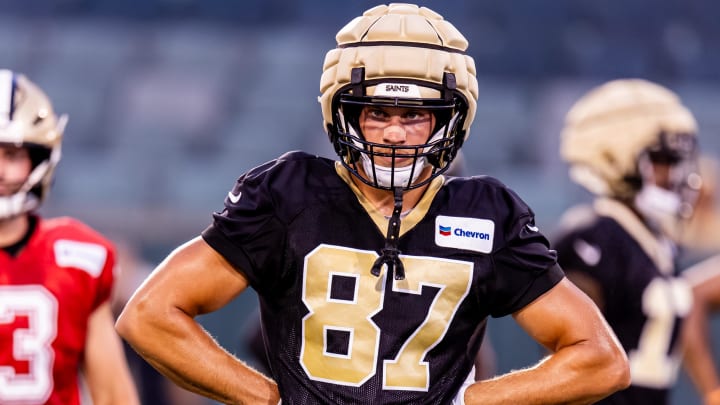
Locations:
(27, 119)
(614, 133)
(405, 56)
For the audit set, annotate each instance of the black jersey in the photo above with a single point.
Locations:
(306, 239)
(644, 301)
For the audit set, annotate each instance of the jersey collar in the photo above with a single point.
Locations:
(413, 217)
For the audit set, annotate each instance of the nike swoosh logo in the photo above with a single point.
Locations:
(234, 198)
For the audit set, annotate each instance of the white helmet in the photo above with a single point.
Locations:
(398, 55)
(27, 119)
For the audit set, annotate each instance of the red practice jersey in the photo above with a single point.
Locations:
(47, 293)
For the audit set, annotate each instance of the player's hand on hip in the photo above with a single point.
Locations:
(712, 397)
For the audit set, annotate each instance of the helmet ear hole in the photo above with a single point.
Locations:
(333, 135)
(442, 119)
(351, 113)
(442, 159)
(435, 159)
(38, 154)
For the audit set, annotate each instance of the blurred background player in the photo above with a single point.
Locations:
(702, 238)
(56, 275)
(632, 144)
(700, 235)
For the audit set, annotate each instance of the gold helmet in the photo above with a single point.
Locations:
(617, 133)
(398, 55)
(608, 130)
(27, 119)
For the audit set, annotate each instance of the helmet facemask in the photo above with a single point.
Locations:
(27, 120)
(667, 200)
(358, 155)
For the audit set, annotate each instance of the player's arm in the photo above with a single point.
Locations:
(697, 353)
(104, 366)
(588, 285)
(158, 322)
(586, 362)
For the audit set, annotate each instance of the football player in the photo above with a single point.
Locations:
(632, 143)
(375, 273)
(56, 275)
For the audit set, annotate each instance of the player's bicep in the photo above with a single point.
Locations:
(194, 278)
(589, 285)
(561, 317)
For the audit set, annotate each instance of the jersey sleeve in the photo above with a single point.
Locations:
(247, 232)
(106, 281)
(524, 265)
(76, 245)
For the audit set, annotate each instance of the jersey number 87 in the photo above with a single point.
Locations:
(408, 370)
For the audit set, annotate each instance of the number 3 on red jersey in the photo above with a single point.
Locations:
(31, 344)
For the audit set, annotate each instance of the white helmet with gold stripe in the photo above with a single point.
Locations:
(27, 119)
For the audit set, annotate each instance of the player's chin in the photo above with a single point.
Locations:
(398, 161)
(6, 191)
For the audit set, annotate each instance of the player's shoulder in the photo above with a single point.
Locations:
(74, 244)
(300, 157)
(582, 221)
(474, 181)
(473, 187)
(72, 229)
(292, 173)
(577, 218)
(485, 193)
(483, 184)
(291, 161)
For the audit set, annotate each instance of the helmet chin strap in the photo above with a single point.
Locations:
(23, 200)
(17, 204)
(658, 205)
(392, 177)
(390, 253)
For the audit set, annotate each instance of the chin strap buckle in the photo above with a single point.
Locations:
(390, 254)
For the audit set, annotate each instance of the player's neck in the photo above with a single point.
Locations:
(13, 229)
(383, 200)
